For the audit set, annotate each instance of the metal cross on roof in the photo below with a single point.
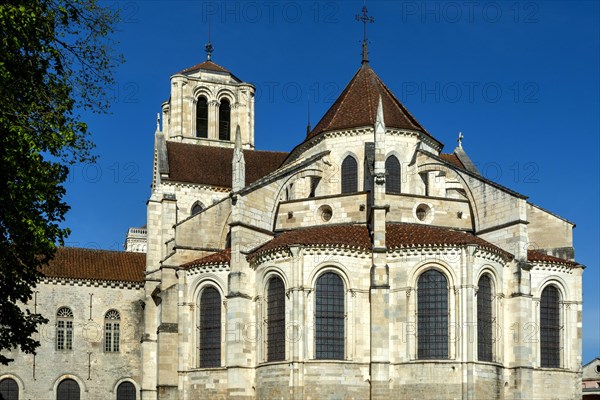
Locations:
(364, 18)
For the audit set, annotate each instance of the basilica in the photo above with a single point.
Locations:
(365, 263)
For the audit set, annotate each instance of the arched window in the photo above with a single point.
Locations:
(9, 390)
(112, 322)
(392, 178)
(432, 308)
(484, 319)
(550, 327)
(67, 390)
(349, 175)
(275, 320)
(197, 208)
(126, 391)
(210, 328)
(64, 329)
(202, 117)
(224, 120)
(330, 318)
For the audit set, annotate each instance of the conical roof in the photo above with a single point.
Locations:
(357, 106)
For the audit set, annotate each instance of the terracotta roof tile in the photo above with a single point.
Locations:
(207, 65)
(221, 257)
(357, 106)
(357, 236)
(96, 265)
(452, 159)
(538, 256)
(411, 235)
(212, 165)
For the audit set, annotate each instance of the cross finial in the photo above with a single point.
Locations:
(364, 18)
(460, 138)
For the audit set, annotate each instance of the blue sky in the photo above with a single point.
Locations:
(519, 79)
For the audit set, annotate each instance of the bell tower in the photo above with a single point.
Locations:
(207, 104)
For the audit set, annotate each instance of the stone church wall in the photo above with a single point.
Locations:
(97, 372)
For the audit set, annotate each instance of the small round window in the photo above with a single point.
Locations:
(325, 212)
(422, 212)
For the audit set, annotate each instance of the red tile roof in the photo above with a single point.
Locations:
(452, 159)
(357, 236)
(207, 65)
(538, 256)
(357, 106)
(221, 257)
(96, 265)
(417, 235)
(212, 165)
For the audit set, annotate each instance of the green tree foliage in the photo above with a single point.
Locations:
(56, 59)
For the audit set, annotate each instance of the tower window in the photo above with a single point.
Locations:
(330, 317)
(275, 320)
(484, 319)
(432, 308)
(64, 329)
(392, 179)
(225, 120)
(550, 328)
(210, 328)
(349, 175)
(202, 117)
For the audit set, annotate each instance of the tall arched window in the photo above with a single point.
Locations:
(432, 308)
(9, 390)
(550, 327)
(210, 328)
(484, 319)
(349, 175)
(112, 332)
(330, 318)
(275, 320)
(64, 329)
(224, 120)
(392, 175)
(126, 391)
(67, 390)
(202, 117)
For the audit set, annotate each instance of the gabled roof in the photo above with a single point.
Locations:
(357, 106)
(206, 65)
(96, 265)
(208, 165)
(357, 237)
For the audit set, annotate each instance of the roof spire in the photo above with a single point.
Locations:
(208, 48)
(460, 139)
(364, 18)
